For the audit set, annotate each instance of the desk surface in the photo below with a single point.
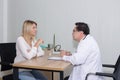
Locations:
(43, 63)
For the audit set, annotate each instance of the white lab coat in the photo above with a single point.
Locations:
(86, 59)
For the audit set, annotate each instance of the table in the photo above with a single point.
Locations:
(42, 63)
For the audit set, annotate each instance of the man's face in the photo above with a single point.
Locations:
(77, 35)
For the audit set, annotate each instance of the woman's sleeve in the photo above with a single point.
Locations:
(40, 52)
(28, 54)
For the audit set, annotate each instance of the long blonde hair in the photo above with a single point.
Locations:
(26, 28)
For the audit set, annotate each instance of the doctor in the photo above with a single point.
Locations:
(87, 58)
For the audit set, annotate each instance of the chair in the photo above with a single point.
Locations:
(66, 78)
(115, 75)
(7, 54)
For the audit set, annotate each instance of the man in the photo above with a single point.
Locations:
(87, 58)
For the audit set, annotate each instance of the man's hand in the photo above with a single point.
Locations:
(63, 52)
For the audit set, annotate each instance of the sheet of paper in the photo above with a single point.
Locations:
(55, 58)
(54, 52)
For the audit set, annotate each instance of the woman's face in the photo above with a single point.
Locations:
(33, 30)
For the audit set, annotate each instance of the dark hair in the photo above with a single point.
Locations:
(80, 26)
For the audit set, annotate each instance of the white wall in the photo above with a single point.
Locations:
(1, 20)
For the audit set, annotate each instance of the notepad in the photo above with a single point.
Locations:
(56, 52)
(55, 58)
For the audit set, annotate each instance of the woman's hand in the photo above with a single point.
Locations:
(39, 41)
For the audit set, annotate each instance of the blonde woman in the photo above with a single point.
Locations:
(27, 48)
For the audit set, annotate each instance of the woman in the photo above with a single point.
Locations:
(27, 48)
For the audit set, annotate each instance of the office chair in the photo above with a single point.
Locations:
(116, 73)
(66, 78)
(7, 54)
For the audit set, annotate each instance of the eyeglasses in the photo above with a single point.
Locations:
(75, 30)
